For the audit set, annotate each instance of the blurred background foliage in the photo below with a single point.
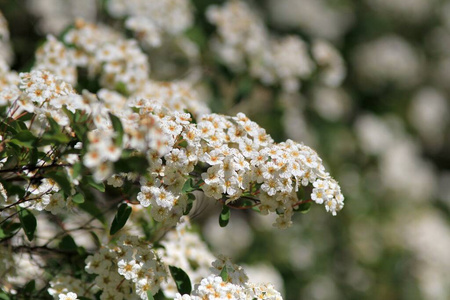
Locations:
(383, 134)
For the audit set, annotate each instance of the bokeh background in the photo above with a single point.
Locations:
(383, 134)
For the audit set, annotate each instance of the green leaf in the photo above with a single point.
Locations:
(196, 34)
(224, 216)
(78, 198)
(188, 186)
(67, 243)
(181, 280)
(61, 179)
(24, 139)
(54, 138)
(28, 222)
(4, 296)
(304, 207)
(12, 189)
(93, 210)
(8, 229)
(224, 274)
(138, 164)
(30, 287)
(76, 169)
(122, 88)
(11, 162)
(96, 239)
(190, 203)
(89, 205)
(100, 186)
(54, 126)
(122, 215)
(118, 129)
(150, 295)
(34, 154)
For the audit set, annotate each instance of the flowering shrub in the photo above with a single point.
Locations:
(100, 164)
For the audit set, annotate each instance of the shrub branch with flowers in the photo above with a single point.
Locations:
(96, 187)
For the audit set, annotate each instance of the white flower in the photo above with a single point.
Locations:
(68, 296)
(128, 269)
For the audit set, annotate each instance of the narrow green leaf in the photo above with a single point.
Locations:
(76, 169)
(24, 139)
(138, 164)
(100, 186)
(11, 162)
(4, 296)
(224, 274)
(96, 239)
(54, 126)
(8, 229)
(89, 205)
(33, 156)
(61, 179)
(122, 215)
(78, 198)
(12, 189)
(67, 243)
(224, 216)
(118, 129)
(150, 295)
(93, 210)
(53, 138)
(304, 207)
(28, 221)
(190, 203)
(181, 279)
(188, 186)
(30, 287)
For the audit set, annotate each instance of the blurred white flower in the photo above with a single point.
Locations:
(332, 104)
(387, 60)
(320, 18)
(429, 114)
(231, 240)
(56, 15)
(409, 11)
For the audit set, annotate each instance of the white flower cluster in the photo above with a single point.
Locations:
(241, 158)
(186, 250)
(68, 286)
(120, 65)
(8, 79)
(243, 38)
(41, 195)
(236, 286)
(55, 57)
(242, 161)
(5, 47)
(102, 152)
(45, 94)
(151, 19)
(131, 267)
(176, 96)
(120, 62)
